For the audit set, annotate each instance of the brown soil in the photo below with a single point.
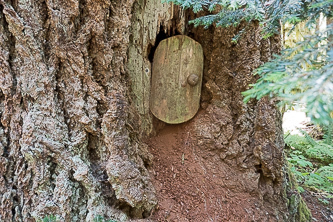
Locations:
(320, 211)
(192, 189)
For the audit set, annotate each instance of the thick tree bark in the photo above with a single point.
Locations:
(74, 108)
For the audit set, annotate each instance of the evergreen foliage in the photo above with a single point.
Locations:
(311, 162)
(328, 134)
(303, 73)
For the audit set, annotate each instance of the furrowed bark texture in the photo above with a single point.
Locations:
(74, 108)
(66, 148)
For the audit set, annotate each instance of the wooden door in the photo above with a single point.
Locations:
(176, 79)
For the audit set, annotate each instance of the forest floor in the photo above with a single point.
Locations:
(293, 120)
(320, 212)
(190, 189)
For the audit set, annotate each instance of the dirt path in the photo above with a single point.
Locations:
(191, 184)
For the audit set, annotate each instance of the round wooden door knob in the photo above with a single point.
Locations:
(192, 79)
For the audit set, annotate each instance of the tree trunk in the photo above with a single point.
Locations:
(76, 134)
